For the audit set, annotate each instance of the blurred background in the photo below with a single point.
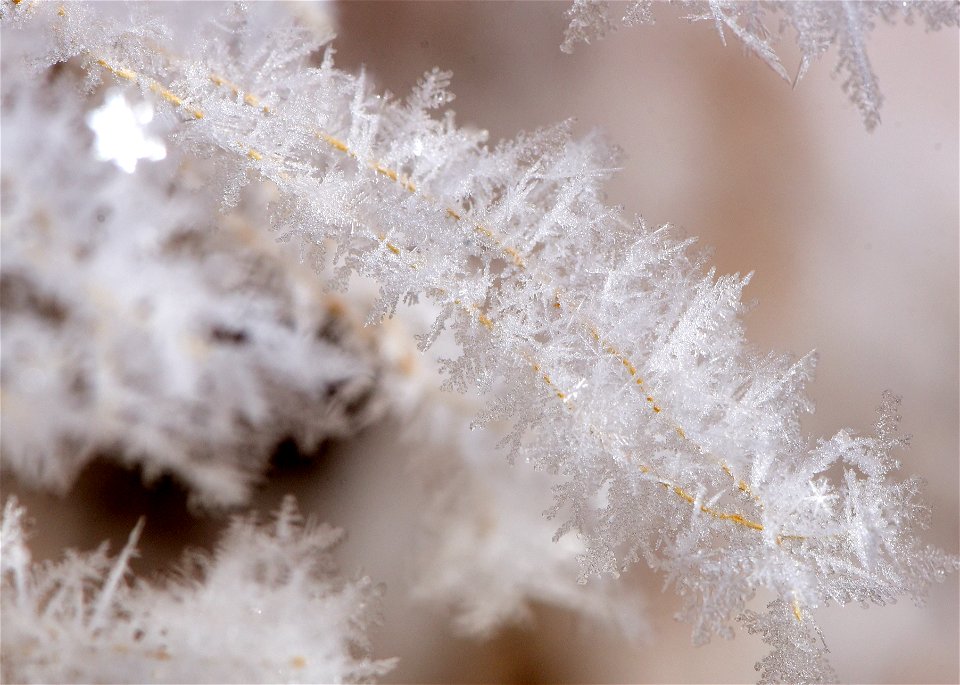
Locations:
(854, 240)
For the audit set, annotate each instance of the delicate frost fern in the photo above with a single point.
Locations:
(818, 26)
(620, 362)
(267, 607)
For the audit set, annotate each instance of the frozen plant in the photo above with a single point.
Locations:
(616, 356)
(163, 333)
(484, 547)
(818, 26)
(268, 606)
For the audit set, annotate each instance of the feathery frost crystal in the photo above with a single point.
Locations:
(268, 606)
(164, 334)
(616, 356)
(818, 25)
(485, 548)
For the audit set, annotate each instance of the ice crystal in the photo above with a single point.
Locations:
(138, 325)
(485, 548)
(799, 652)
(845, 24)
(619, 360)
(588, 21)
(268, 606)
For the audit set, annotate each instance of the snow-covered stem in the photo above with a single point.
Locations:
(618, 357)
(164, 333)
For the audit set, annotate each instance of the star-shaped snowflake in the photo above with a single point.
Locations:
(820, 496)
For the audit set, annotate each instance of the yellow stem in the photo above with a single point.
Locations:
(165, 93)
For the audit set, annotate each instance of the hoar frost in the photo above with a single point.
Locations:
(268, 606)
(139, 324)
(619, 360)
(818, 25)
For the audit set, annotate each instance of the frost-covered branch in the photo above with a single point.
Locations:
(161, 333)
(618, 358)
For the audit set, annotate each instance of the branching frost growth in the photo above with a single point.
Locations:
(617, 357)
(267, 607)
(818, 26)
(485, 547)
(162, 335)
(798, 654)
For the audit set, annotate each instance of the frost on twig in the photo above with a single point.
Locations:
(485, 548)
(139, 324)
(616, 356)
(818, 26)
(268, 606)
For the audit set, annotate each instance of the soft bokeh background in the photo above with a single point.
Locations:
(854, 240)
